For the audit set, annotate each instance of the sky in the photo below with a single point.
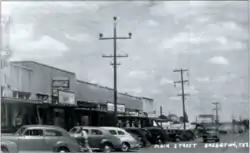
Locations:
(210, 39)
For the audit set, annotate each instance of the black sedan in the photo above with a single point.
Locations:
(140, 134)
(157, 135)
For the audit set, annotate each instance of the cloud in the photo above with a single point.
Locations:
(134, 91)
(80, 37)
(203, 79)
(152, 23)
(138, 74)
(165, 81)
(219, 60)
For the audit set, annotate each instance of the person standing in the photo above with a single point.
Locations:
(85, 141)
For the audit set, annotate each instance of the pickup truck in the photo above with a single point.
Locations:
(42, 138)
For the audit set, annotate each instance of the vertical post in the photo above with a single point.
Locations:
(183, 95)
(115, 74)
(216, 116)
(183, 100)
(161, 110)
(114, 64)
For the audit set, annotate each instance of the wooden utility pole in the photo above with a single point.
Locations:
(183, 95)
(216, 115)
(161, 111)
(114, 64)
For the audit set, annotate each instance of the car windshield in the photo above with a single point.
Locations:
(20, 130)
(74, 130)
(211, 131)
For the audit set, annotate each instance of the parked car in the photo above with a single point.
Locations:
(8, 147)
(42, 138)
(211, 135)
(157, 135)
(143, 142)
(128, 141)
(98, 138)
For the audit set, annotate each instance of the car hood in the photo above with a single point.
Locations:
(10, 137)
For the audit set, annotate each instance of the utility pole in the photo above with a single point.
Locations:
(114, 64)
(161, 110)
(183, 95)
(216, 115)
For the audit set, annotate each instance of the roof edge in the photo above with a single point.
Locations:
(44, 66)
(108, 88)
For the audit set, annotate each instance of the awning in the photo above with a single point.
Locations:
(90, 109)
(16, 100)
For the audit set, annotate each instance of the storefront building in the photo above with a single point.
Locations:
(18, 106)
(41, 94)
(55, 89)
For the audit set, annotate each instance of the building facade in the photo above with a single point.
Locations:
(42, 94)
(148, 106)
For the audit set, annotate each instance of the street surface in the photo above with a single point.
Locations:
(200, 146)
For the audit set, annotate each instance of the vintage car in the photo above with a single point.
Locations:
(45, 138)
(211, 134)
(99, 139)
(8, 147)
(140, 134)
(128, 141)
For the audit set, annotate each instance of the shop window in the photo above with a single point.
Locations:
(42, 97)
(21, 95)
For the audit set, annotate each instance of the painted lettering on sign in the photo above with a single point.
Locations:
(61, 83)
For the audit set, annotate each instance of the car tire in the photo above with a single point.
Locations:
(141, 143)
(107, 148)
(218, 140)
(204, 141)
(125, 147)
(4, 150)
(63, 150)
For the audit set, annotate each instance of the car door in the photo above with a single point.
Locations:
(51, 137)
(95, 138)
(31, 140)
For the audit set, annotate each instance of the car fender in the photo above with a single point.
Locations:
(10, 145)
(105, 141)
(60, 144)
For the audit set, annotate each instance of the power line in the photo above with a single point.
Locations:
(114, 64)
(183, 94)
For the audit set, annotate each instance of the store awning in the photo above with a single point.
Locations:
(90, 109)
(15, 100)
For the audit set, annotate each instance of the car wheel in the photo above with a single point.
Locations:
(63, 150)
(141, 143)
(125, 147)
(4, 150)
(107, 148)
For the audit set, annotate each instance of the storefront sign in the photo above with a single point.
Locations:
(60, 83)
(66, 97)
(120, 108)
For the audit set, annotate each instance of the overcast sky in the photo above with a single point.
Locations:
(208, 38)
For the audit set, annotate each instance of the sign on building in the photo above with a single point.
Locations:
(66, 97)
(60, 83)
(120, 108)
